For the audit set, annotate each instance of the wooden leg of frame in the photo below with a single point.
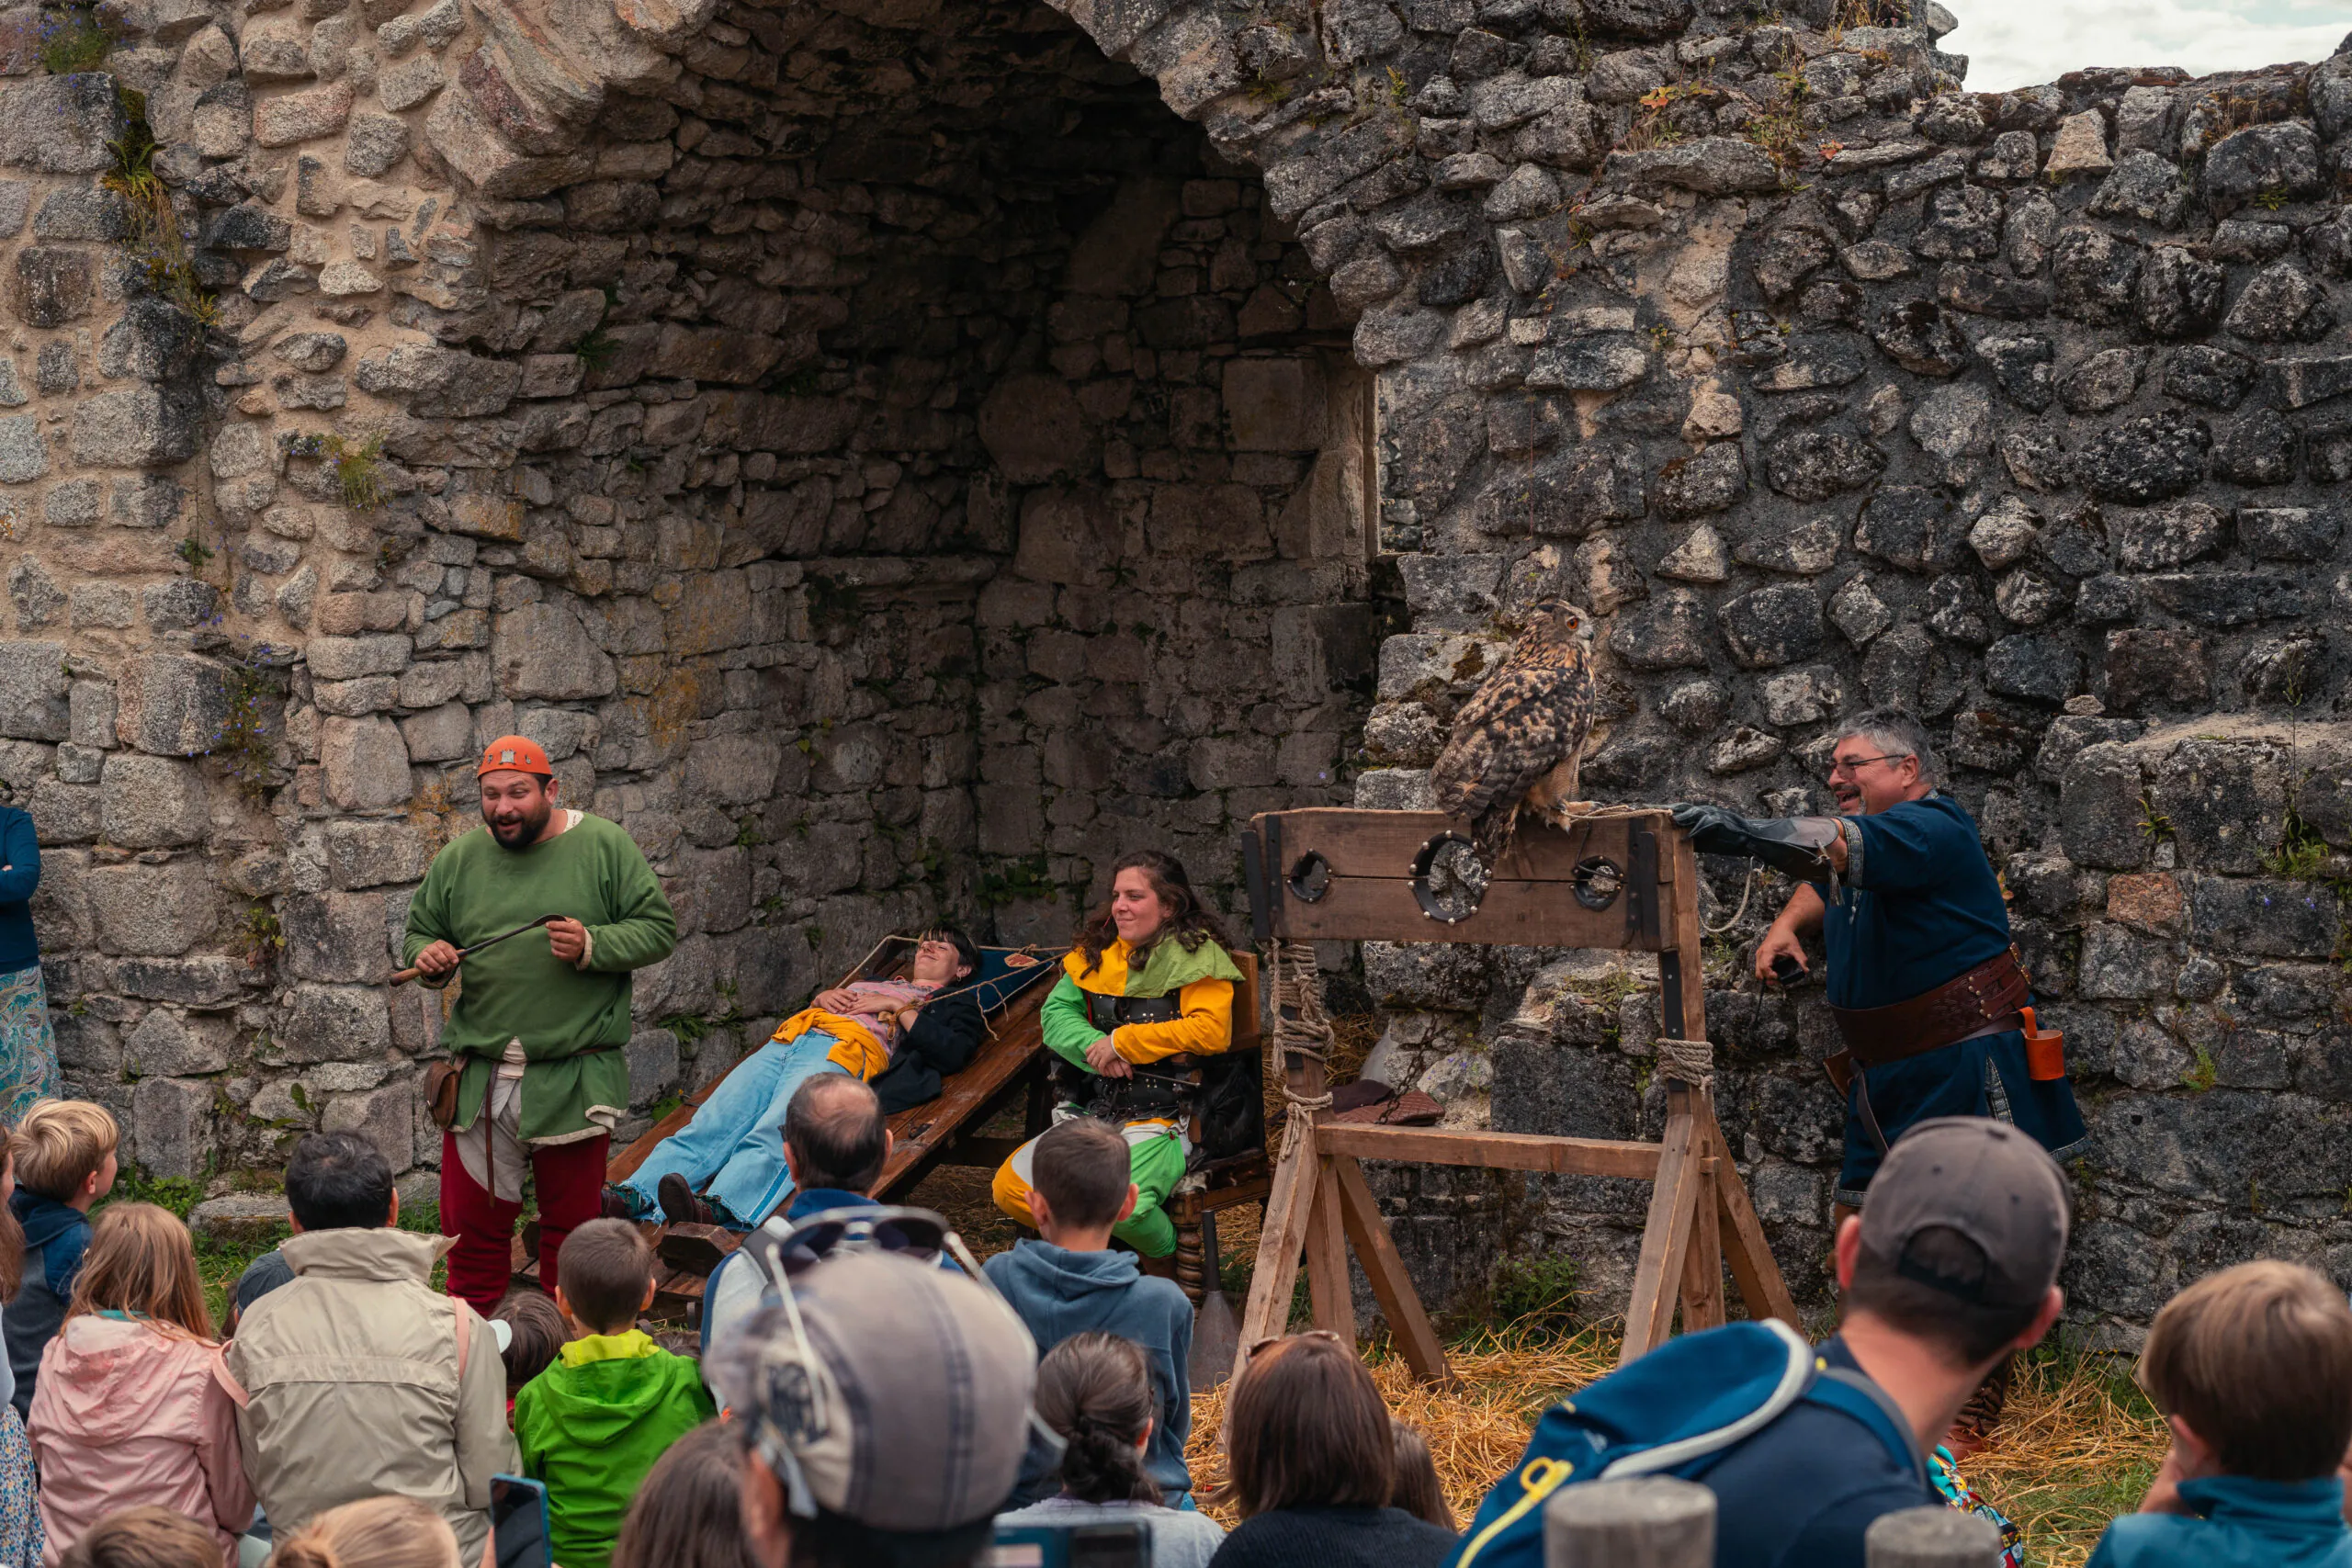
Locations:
(1665, 1236)
(1327, 1259)
(1753, 1268)
(1391, 1286)
(1703, 1264)
(1280, 1242)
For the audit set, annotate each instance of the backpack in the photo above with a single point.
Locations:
(1678, 1411)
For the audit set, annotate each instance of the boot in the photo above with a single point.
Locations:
(680, 1205)
(1979, 1421)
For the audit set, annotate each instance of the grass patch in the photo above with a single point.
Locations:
(2079, 1446)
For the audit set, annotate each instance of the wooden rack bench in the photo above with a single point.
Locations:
(1622, 880)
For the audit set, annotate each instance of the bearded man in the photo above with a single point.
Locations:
(540, 1020)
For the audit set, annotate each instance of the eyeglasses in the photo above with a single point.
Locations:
(916, 1234)
(1848, 765)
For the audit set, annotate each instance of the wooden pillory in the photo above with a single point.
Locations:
(1618, 879)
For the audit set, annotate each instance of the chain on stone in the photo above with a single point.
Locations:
(1301, 1027)
(1692, 1061)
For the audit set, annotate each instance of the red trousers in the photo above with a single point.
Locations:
(571, 1182)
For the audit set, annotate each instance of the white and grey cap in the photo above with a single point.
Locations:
(885, 1391)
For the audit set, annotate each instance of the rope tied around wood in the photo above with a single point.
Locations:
(1691, 1061)
(1301, 1027)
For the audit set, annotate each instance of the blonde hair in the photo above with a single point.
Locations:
(380, 1532)
(2257, 1361)
(142, 1262)
(145, 1537)
(61, 1143)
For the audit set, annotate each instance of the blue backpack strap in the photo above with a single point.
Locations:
(1852, 1394)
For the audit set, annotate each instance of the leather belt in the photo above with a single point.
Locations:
(1985, 1000)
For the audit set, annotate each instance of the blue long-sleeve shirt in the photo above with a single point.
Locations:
(20, 853)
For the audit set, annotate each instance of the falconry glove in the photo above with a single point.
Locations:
(1792, 844)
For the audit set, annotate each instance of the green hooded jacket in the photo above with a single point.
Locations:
(592, 1424)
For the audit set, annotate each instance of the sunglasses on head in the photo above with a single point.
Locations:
(916, 1234)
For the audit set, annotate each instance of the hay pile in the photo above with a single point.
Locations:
(2080, 1444)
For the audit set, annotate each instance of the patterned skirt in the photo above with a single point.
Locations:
(20, 1532)
(27, 1047)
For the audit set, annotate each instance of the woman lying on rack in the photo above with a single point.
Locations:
(1148, 982)
(901, 1033)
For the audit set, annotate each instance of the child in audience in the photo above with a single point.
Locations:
(1072, 1282)
(535, 1331)
(146, 1537)
(2252, 1368)
(592, 1424)
(20, 1539)
(1416, 1489)
(64, 1154)
(129, 1411)
(1313, 1463)
(1095, 1390)
(689, 1512)
(375, 1532)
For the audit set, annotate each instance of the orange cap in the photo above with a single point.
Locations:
(518, 753)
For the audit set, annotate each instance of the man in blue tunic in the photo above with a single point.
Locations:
(1925, 986)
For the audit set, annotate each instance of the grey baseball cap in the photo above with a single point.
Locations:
(1989, 1183)
(899, 1398)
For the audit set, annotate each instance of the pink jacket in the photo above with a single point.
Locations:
(125, 1413)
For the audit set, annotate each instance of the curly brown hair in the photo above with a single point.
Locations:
(1188, 921)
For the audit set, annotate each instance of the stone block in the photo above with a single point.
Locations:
(653, 1066)
(733, 769)
(386, 1117)
(147, 802)
(439, 735)
(365, 763)
(172, 705)
(1773, 625)
(137, 428)
(350, 658)
(2145, 667)
(336, 936)
(331, 1023)
(172, 1127)
(542, 650)
(2103, 818)
(2120, 965)
(152, 911)
(2262, 917)
(1434, 975)
(1275, 404)
(1032, 426)
(33, 691)
(366, 854)
(2147, 901)
(164, 1045)
(2225, 803)
(60, 125)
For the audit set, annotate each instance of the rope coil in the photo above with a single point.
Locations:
(1691, 1061)
(1301, 1027)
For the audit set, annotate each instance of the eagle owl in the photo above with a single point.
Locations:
(1518, 741)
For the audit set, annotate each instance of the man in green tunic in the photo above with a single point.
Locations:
(540, 1021)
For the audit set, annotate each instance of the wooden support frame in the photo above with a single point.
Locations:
(1350, 875)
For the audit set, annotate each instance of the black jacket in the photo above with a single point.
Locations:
(942, 1039)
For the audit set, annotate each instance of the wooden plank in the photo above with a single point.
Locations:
(1327, 1259)
(1753, 1267)
(1703, 1264)
(1392, 1287)
(1682, 927)
(1492, 1151)
(1281, 1240)
(1665, 1235)
(1356, 842)
(1512, 914)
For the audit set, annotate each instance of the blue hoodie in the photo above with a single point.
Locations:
(55, 1237)
(1058, 1293)
(2238, 1522)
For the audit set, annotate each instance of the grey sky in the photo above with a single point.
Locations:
(2017, 43)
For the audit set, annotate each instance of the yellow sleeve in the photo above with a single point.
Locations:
(1204, 1027)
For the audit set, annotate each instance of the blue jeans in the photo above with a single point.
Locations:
(733, 1149)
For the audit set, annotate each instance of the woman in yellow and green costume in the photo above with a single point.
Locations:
(1149, 980)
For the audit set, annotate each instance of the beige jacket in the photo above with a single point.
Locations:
(351, 1386)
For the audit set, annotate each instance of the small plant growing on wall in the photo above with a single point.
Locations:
(357, 469)
(245, 744)
(73, 39)
(152, 237)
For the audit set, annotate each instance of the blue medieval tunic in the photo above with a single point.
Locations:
(1919, 905)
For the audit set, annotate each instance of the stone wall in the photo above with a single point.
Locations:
(897, 462)
(890, 484)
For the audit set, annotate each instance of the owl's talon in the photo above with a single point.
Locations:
(1567, 811)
